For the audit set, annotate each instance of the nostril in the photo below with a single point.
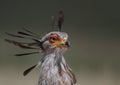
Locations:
(67, 43)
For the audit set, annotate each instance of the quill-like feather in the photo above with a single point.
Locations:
(23, 54)
(19, 44)
(35, 34)
(29, 70)
(15, 35)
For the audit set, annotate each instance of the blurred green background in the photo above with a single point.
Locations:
(94, 31)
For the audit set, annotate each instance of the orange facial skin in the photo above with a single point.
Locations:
(55, 40)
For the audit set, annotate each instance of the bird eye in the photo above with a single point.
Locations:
(52, 38)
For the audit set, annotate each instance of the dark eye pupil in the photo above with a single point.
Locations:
(52, 38)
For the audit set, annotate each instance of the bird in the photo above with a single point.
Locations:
(54, 68)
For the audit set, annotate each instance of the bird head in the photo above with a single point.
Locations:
(55, 40)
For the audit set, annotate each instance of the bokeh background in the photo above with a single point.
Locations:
(94, 31)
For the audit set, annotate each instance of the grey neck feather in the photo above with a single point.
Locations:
(54, 53)
(54, 70)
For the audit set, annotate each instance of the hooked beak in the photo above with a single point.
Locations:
(65, 43)
(62, 43)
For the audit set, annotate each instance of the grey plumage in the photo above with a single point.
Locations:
(54, 69)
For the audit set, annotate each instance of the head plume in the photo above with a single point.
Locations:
(36, 40)
(60, 21)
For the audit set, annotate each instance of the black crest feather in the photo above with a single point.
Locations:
(28, 70)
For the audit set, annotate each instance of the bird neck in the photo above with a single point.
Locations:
(56, 51)
(53, 56)
(53, 59)
(55, 69)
